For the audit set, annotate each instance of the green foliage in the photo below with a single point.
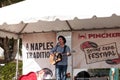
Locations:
(8, 71)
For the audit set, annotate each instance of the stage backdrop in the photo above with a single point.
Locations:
(96, 48)
(36, 49)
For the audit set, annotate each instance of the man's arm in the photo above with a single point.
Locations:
(68, 54)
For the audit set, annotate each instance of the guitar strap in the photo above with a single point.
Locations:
(64, 49)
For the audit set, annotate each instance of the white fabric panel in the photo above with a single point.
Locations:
(30, 10)
(9, 35)
(45, 26)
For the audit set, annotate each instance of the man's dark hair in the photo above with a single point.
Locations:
(62, 38)
(83, 75)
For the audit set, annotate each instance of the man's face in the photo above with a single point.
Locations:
(61, 41)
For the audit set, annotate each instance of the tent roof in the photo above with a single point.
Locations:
(64, 25)
(33, 10)
(33, 16)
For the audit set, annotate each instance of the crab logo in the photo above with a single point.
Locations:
(88, 44)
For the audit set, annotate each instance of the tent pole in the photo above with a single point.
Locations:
(69, 25)
(16, 76)
(72, 66)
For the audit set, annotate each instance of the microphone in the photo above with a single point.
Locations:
(58, 44)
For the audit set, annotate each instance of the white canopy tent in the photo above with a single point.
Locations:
(12, 30)
(65, 15)
(31, 10)
(35, 16)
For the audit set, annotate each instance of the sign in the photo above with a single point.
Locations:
(96, 48)
(101, 53)
(36, 48)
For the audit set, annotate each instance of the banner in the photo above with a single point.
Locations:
(96, 48)
(36, 49)
(101, 53)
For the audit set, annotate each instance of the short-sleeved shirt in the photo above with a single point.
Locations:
(60, 49)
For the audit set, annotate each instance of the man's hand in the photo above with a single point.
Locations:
(68, 54)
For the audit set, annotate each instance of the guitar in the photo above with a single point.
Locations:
(56, 57)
